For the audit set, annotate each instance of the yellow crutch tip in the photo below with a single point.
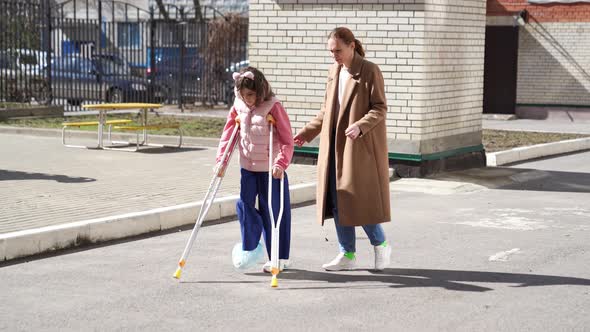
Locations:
(177, 273)
(274, 282)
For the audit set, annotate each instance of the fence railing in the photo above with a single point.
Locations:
(83, 51)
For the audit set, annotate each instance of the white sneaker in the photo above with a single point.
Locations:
(382, 256)
(283, 265)
(340, 263)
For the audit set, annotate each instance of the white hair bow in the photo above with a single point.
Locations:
(247, 74)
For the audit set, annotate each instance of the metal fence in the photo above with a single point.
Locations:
(84, 51)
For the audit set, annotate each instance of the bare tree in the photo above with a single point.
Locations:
(162, 9)
(224, 34)
(198, 13)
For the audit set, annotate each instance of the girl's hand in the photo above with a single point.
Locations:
(353, 131)
(298, 140)
(277, 172)
(217, 170)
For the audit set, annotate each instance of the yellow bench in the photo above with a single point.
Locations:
(94, 123)
(144, 129)
(79, 124)
(149, 127)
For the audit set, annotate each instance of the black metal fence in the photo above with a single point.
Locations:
(84, 51)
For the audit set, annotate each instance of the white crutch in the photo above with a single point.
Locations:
(209, 197)
(274, 248)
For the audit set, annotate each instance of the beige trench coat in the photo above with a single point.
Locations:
(362, 168)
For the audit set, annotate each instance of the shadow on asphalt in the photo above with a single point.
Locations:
(454, 280)
(162, 150)
(513, 178)
(18, 175)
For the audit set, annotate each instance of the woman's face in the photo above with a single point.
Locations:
(341, 52)
(248, 96)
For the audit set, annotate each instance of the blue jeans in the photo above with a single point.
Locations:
(347, 234)
(253, 221)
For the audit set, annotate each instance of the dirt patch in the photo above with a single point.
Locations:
(499, 140)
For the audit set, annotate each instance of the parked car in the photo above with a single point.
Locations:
(167, 73)
(135, 69)
(30, 61)
(18, 85)
(77, 79)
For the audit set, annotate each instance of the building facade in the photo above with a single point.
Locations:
(431, 53)
(550, 52)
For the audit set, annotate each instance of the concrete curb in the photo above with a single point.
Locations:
(81, 134)
(537, 151)
(48, 239)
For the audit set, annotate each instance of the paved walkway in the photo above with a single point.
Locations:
(44, 183)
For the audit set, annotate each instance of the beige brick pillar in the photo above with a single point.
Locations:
(431, 53)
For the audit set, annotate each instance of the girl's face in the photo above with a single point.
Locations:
(249, 96)
(341, 52)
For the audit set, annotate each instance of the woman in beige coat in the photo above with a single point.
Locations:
(353, 169)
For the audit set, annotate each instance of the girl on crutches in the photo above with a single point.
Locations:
(254, 102)
(209, 196)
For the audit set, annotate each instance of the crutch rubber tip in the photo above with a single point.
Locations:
(177, 273)
(274, 282)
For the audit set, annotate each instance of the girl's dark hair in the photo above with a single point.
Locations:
(258, 84)
(346, 36)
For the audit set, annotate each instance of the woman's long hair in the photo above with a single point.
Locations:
(347, 37)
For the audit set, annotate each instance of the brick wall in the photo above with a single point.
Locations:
(430, 53)
(553, 51)
(554, 64)
(556, 12)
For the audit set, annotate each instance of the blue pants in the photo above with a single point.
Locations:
(254, 222)
(346, 234)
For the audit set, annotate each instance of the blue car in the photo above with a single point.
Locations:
(99, 78)
(167, 74)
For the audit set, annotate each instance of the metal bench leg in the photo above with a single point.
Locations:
(179, 137)
(63, 141)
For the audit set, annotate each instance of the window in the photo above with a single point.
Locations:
(128, 34)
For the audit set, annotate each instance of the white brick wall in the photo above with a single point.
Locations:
(430, 52)
(554, 64)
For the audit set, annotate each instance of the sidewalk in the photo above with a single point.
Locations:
(556, 122)
(55, 197)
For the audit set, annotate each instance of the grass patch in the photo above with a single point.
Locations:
(195, 127)
(15, 105)
(500, 140)
(493, 140)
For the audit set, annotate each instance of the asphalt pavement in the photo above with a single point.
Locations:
(493, 249)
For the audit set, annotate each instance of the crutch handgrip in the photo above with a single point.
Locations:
(220, 170)
(271, 119)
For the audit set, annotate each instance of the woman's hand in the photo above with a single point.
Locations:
(298, 140)
(353, 131)
(277, 172)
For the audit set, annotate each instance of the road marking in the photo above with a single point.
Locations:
(503, 256)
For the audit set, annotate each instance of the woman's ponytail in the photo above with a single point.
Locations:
(358, 47)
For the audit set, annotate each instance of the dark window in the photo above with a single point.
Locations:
(128, 35)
